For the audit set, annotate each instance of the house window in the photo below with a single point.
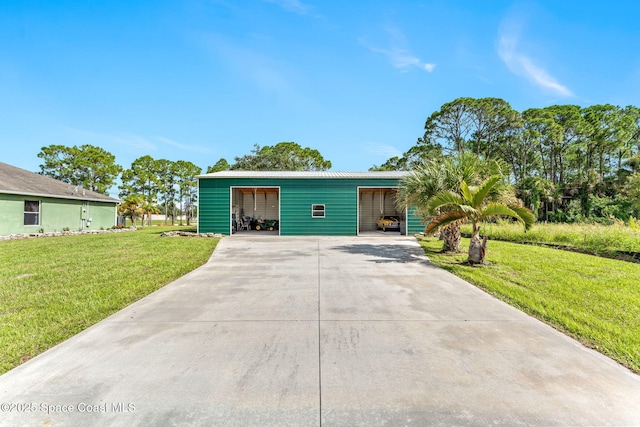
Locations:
(317, 211)
(31, 212)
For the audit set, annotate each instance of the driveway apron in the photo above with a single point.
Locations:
(331, 331)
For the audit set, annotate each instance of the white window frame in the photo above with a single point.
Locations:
(38, 214)
(315, 210)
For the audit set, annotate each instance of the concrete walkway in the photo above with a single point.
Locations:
(319, 331)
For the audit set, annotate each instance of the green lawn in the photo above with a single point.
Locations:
(616, 241)
(596, 300)
(53, 288)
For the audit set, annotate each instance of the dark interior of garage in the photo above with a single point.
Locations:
(255, 209)
(376, 204)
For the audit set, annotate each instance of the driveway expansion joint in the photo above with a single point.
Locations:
(323, 331)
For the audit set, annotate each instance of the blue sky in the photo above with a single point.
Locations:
(198, 80)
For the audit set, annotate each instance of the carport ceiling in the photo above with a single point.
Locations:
(258, 190)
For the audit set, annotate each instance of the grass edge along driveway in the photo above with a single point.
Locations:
(53, 288)
(595, 300)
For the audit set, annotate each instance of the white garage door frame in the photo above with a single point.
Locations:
(376, 187)
(254, 188)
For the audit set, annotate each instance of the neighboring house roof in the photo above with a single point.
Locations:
(306, 174)
(14, 180)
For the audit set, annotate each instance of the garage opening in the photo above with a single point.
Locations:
(378, 214)
(255, 210)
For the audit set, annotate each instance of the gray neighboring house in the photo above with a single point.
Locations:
(30, 203)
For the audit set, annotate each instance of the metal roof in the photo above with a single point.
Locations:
(14, 180)
(306, 174)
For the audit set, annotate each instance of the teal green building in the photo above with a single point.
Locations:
(33, 203)
(301, 203)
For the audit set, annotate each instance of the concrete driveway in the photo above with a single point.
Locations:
(319, 331)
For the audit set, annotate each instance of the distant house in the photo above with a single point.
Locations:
(30, 203)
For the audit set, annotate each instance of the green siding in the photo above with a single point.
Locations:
(214, 207)
(55, 214)
(414, 222)
(339, 195)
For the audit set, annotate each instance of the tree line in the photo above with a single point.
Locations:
(284, 156)
(151, 185)
(567, 163)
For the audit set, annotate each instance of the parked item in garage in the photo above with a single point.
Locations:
(388, 222)
(265, 224)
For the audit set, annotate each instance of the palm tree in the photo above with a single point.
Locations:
(150, 209)
(471, 204)
(437, 175)
(132, 207)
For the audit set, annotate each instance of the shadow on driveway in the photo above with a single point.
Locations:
(388, 253)
(308, 331)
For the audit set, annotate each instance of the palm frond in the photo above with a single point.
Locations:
(420, 185)
(520, 213)
(528, 218)
(443, 220)
(469, 210)
(485, 188)
(466, 191)
(444, 199)
(498, 209)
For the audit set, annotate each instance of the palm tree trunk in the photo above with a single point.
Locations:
(477, 249)
(451, 238)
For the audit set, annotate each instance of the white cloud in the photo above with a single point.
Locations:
(403, 60)
(127, 141)
(77, 136)
(399, 56)
(429, 67)
(185, 147)
(522, 65)
(385, 151)
(137, 142)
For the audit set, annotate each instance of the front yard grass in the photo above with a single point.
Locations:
(613, 241)
(53, 288)
(595, 300)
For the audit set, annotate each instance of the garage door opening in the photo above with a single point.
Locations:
(378, 213)
(255, 210)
